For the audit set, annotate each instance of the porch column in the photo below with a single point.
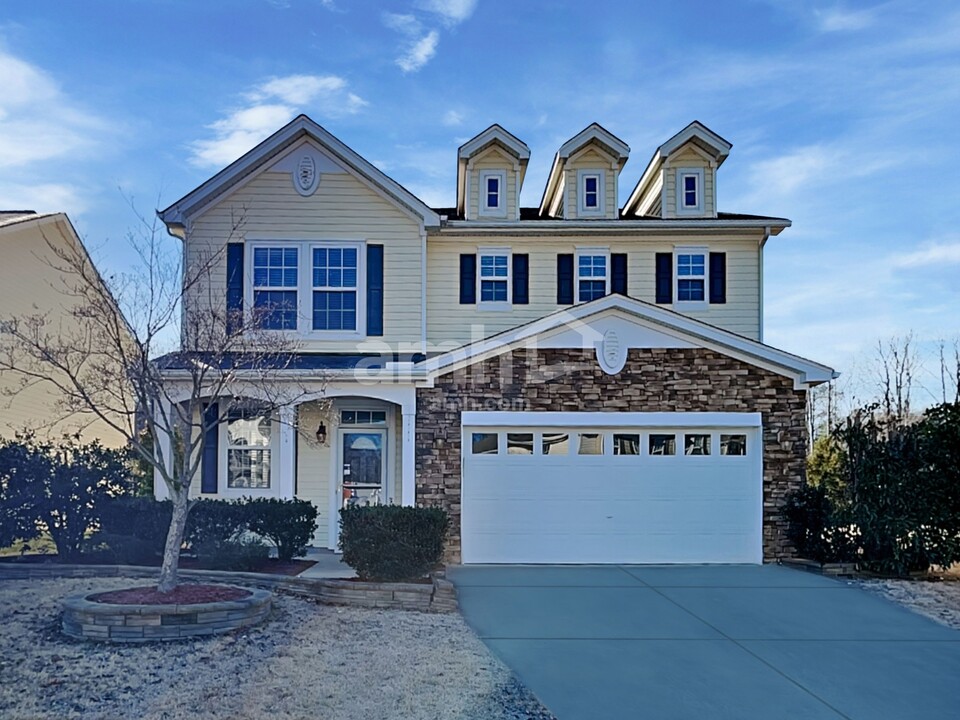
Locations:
(163, 449)
(409, 471)
(286, 460)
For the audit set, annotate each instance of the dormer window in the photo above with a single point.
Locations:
(689, 190)
(591, 192)
(492, 188)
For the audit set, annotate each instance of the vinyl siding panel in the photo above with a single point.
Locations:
(450, 324)
(342, 208)
(313, 467)
(491, 159)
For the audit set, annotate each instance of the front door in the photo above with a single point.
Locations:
(363, 470)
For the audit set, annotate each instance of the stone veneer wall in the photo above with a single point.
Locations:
(653, 380)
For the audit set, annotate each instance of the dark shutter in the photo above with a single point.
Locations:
(234, 287)
(664, 278)
(521, 279)
(565, 279)
(718, 277)
(468, 279)
(618, 273)
(374, 289)
(211, 449)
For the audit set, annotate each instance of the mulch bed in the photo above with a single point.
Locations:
(180, 595)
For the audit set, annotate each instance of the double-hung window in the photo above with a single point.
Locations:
(494, 276)
(248, 451)
(492, 188)
(275, 281)
(689, 190)
(691, 275)
(335, 276)
(592, 275)
(591, 192)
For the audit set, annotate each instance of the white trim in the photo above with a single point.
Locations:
(582, 176)
(687, 305)
(592, 252)
(700, 131)
(495, 305)
(495, 418)
(408, 450)
(560, 228)
(482, 208)
(594, 132)
(682, 174)
(494, 133)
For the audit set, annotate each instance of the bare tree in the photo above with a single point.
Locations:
(897, 365)
(117, 359)
(949, 371)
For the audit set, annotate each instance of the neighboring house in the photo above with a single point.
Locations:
(32, 282)
(575, 383)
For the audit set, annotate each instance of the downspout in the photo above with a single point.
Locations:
(763, 241)
(423, 290)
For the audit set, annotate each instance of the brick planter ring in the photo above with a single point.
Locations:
(85, 619)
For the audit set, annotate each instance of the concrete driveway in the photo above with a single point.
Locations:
(717, 642)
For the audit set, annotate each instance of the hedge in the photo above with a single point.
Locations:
(392, 543)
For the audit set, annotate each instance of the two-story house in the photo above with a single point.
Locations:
(577, 382)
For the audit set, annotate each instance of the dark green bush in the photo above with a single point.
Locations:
(216, 521)
(815, 527)
(132, 530)
(288, 524)
(241, 554)
(392, 543)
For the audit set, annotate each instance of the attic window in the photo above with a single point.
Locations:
(591, 192)
(690, 190)
(492, 185)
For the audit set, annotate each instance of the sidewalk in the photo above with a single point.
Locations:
(328, 565)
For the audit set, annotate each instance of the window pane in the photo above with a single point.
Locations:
(378, 416)
(663, 445)
(248, 431)
(275, 267)
(493, 291)
(592, 289)
(590, 444)
(733, 444)
(626, 444)
(248, 469)
(275, 309)
(485, 444)
(519, 443)
(363, 417)
(348, 417)
(690, 198)
(696, 444)
(690, 290)
(334, 310)
(690, 182)
(590, 183)
(556, 443)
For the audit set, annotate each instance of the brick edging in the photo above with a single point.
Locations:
(437, 596)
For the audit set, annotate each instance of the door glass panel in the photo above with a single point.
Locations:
(556, 443)
(696, 444)
(733, 444)
(590, 444)
(485, 444)
(362, 455)
(520, 443)
(663, 445)
(626, 444)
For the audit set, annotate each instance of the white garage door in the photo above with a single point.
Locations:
(611, 488)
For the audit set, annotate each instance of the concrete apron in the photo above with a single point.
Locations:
(735, 641)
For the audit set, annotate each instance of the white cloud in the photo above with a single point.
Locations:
(452, 118)
(452, 11)
(838, 20)
(419, 52)
(42, 197)
(402, 23)
(931, 255)
(272, 104)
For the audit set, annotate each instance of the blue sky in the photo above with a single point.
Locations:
(843, 117)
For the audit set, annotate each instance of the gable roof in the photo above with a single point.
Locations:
(805, 373)
(493, 135)
(641, 199)
(592, 133)
(300, 127)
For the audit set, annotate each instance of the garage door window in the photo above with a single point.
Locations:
(663, 444)
(556, 444)
(733, 444)
(626, 444)
(696, 444)
(485, 444)
(520, 443)
(590, 444)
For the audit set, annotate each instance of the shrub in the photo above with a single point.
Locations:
(242, 554)
(215, 521)
(288, 524)
(815, 527)
(392, 543)
(132, 530)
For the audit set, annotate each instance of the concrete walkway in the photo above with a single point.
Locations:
(717, 642)
(328, 565)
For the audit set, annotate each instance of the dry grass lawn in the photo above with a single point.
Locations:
(938, 601)
(308, 661)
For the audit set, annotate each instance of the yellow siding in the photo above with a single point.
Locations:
(342, 208)
(492, 159)
(450, 324)
(30, 285)
(687, 158)
(313, 468)
(590, 159)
